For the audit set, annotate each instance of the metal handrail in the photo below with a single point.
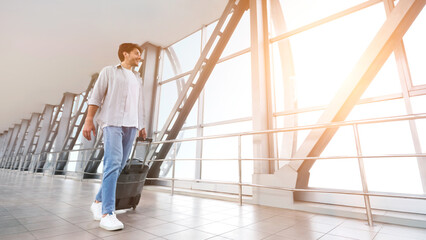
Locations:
(359, 193)
(359, 156)
(306, 127)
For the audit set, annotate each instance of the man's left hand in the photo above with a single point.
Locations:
(142, 134)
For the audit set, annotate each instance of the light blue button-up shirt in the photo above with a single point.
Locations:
(110, 93)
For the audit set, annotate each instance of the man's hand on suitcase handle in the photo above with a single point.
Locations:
(142, 134)
(140, 139)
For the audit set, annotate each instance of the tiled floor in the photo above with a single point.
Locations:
(37, 207)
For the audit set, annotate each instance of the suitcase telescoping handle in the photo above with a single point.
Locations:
(139, 139)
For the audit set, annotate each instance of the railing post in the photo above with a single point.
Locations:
(12, 162)
(240, 186)
(28, 159)
(363, 176)
(174, 168)
(36, 163)
(54, 164)
(22, 162)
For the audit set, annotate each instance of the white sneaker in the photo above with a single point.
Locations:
(111, 223)
(96, 209)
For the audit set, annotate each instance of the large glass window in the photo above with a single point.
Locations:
(415, 47)
(338, 173)
(188, 51)
(390, 174)
(226, 148)
(302, 12)
(228, 90)
(168, 98)
(185, 169)
(324, 56)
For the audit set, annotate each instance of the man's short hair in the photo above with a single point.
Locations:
(127, 47)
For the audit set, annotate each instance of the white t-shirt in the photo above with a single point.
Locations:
(132, 102)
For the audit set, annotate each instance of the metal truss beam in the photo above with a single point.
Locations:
(75, 126)
(263, 145)
(61, 132)
(379, 50)
(29, 142)
(6, 147)
(19, 144)
(2, 143)
(11, 146)
(45, 123)
(197, 79)
(6, 139)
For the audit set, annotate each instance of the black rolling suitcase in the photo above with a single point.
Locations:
(131, 180)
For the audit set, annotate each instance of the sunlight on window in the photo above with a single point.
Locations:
(323, 58)
(415, 47)
(227, 148)
(228, 91)
(302, 12)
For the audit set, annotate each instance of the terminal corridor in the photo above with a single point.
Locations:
(239, 119)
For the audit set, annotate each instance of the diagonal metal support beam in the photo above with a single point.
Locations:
(194, 85)
(32, 129)
(44, 134)
(58, 140)
(75, 126)
(6, 141)
(19, 143)
(379, 50)
(11, 145)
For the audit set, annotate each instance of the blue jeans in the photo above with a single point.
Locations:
(118, 143)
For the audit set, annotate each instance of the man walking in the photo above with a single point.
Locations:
(118, 94)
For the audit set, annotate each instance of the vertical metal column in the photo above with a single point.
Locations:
(263, 146)
(240, 173)
(200, 118)
(149, 72)
(174, 168)
(363, 176)
(159, 78)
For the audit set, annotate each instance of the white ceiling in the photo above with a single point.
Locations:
(51, 47)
